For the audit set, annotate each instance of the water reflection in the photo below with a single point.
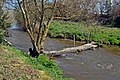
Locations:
(14, 25)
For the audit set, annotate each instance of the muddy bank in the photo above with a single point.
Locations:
(113, 49)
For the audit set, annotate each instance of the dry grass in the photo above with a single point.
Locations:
(13, 68)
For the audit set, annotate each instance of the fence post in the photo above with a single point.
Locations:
(74, 40)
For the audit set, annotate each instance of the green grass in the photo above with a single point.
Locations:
(99, 34)
(1, 35)
(12, 67)
(42, 63)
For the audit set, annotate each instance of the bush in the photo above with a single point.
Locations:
(43, 63)
(3, 20)
(3, 23)
(1, 35)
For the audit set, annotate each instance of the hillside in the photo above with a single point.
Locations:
(12, 67)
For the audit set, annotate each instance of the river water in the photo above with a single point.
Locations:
(99, 64)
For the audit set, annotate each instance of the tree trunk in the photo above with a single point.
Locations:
(84, 47)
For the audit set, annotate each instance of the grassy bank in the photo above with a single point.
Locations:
(16, 65)
(82, 32)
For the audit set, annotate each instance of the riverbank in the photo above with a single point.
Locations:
(113, 49)
(100, 34)
(15, 64)
(88, 65)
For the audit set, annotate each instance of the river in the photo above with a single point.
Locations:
(99, 64)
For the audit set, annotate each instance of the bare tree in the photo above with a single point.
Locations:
(38, 14)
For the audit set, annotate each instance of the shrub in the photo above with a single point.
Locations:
(1, 36)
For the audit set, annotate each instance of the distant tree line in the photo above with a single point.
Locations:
(106, 12)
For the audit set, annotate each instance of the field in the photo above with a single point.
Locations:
(100, 34)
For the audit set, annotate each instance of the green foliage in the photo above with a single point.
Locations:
(3, 24)
(3, 20)
(12, 66)
(1, 35)
(64, 29)
(41, 63)
(99, 34)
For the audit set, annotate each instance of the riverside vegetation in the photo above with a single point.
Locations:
(18, 65)
(100, 34)
(15, 64)
(42, 67)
